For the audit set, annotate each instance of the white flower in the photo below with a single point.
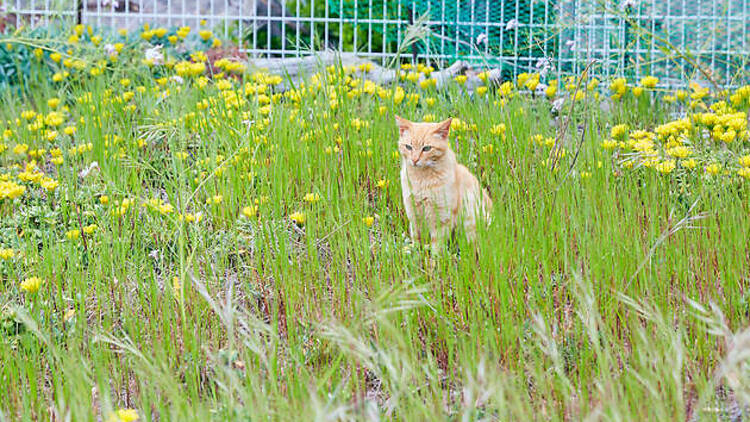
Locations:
(629, 3)
(494, 75)
(557, 105)
(154, 55)
(482, 39)
(543, 65)
(512, 24)
(177, 78)
(110, 50)
(540, 90)
(94, 166)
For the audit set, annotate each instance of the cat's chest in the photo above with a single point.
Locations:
(427, 193)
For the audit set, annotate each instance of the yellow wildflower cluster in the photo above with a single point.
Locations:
(230, 66)
(190, 69)
(10, 189)
(31, 285)
(680, 143)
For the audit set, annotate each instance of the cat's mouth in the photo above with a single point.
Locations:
(421, 164)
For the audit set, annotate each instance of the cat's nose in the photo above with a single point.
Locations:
(414, 161)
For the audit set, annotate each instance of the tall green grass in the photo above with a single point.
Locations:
(615, 296)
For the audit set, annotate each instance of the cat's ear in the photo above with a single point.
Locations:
(403, 125)
(443, 128)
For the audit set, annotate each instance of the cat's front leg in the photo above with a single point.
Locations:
(411, 216)
(440, 228)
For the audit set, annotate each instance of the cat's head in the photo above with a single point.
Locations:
(423, 144)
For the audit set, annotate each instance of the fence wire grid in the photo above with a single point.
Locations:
(676, 40)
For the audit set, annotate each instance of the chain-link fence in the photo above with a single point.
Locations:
(676, 40)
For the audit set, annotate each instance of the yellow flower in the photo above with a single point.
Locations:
(609, 144)
(481, 90)
(505, 88)
(637, 91)
(104, 199)
(7, 253)
(619, 87)
(679, 151)
(11, 190)
(532, 82)
(713, 169)
(297, 217)
(53, 102)
(91, 228)
(427, 83)
(250, 211)
(160, 32)
(398, 95)
(649, 82)
(666, 166)
(618, 131)
(550, 91)
(745, 161)
(20, 149)
(31, 285)
(224, 84)
(461, 79)
(498, 129)
(205, 34)
(312, 197)
(125, 82)
(216, 199)
(522, 78)
(123, 415)
(49, 184)
(689, 164)
(698, 91)
(190, 217)
(744, 172)
(369, 221)
(123, 32)
(73, 234)
(382, 184)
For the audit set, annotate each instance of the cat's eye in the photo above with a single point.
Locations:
(408, 146)
(426, 148)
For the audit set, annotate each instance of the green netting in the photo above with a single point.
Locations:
(487, 27)
(473, 29)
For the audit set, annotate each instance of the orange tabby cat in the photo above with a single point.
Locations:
(438, 192)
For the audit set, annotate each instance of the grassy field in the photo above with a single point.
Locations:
(197, 248)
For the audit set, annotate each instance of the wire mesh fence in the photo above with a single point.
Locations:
(676, 40)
